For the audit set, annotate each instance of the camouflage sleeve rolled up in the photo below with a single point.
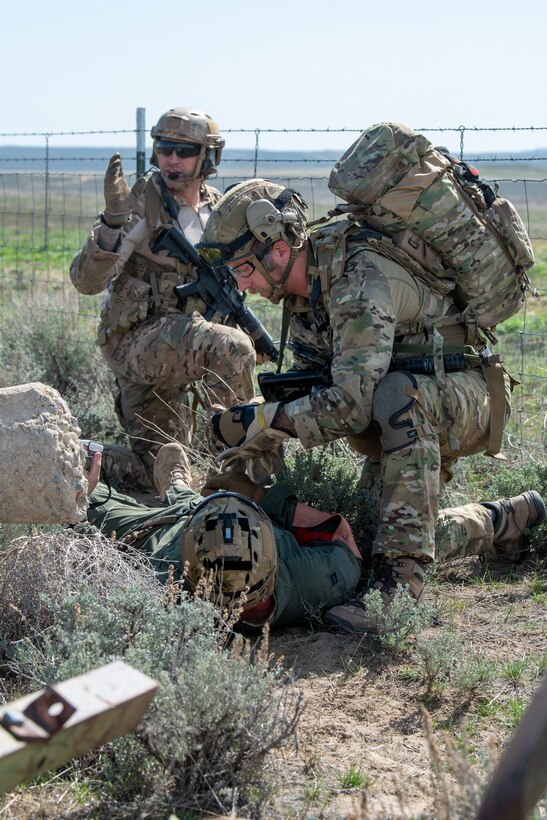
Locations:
(92, 268)
(362, 322)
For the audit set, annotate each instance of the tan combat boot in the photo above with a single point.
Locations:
(512, 517)
(409, 572)
(171, 467)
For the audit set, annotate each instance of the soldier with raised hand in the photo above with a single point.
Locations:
(350, 307)
(154, 350)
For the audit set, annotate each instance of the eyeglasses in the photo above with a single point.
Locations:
(245, 269)
(181, 149)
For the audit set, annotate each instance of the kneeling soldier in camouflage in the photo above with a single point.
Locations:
(358, 312)
(155, 348)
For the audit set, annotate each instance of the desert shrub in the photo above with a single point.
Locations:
(394, 626)
(517, 478)
(220, 709)
(328, 478)
(41, 568)
(474, 673)
(436, 656)
(53, 347)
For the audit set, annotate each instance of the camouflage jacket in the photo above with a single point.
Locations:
(139, 283)
(360, 303)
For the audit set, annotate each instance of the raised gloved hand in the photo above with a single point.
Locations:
(120, 199)
(233, 482)
(238, 424)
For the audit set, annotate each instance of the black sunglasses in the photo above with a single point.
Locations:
(181, 149)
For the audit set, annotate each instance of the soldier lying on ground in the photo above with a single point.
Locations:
(352, 308)
(291, 560)
(154, 350)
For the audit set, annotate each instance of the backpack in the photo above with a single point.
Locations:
(437, 210)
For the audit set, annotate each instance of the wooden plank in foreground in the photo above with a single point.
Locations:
(74, 716)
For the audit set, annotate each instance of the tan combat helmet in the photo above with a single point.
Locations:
(191, 125)
(229, 536)
(250, 217)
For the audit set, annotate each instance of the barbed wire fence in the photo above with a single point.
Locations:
(50, 194)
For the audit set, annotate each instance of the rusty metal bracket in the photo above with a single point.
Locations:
(41, 719)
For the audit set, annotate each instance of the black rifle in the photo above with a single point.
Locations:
(217, 287)
(297, 383)
(425, 365)
(292, 385)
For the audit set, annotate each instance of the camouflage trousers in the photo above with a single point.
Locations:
(417, 436)
(463, 531)
(154, 364)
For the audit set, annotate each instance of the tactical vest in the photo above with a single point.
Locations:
(146, 287)
(329, 247)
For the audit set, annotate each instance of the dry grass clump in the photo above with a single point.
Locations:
(40, 569)
(458, 786)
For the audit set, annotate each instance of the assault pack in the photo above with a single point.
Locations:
(436, 210)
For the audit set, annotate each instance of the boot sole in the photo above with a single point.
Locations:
(534, 500)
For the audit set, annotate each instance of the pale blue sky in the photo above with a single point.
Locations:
(82, 66)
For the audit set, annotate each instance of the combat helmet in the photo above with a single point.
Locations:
(255, 211)
(249, 218)
(191, 125)
(228, 536)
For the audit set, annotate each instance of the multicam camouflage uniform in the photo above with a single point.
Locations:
(412, 427)
(154, 350)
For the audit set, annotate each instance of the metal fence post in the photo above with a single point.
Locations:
(257, 137)
(46, 197)
(141, 129)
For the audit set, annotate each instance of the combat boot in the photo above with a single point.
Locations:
(407, 571)
(512, 516)
(171, 468)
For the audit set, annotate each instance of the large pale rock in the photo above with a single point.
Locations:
(41, 458)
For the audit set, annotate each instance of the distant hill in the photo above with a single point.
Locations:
(89, 159)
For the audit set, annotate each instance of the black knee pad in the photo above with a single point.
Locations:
(389, 404)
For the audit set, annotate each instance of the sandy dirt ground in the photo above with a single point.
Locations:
(363, 710)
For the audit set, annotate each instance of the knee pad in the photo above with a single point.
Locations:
(390, 405)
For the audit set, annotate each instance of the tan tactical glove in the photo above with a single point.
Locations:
(120, 199)
(238, 424)
(261, 453)
(233, 482)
